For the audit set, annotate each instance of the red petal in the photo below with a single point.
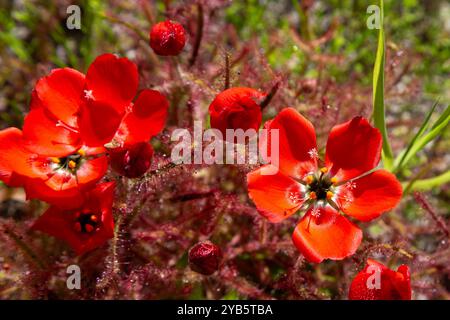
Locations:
(10, 140)
(392, 285)
(372, 195)
(276, 196)
(92, 171)
(60, 93)
(98, 123)
(354, 148)
(44, 136)
(102, 197)
(67, 198)
(113, 81)
(146, 119)
(403, 286)
(297, 143)
(17, 163)
(329, 236)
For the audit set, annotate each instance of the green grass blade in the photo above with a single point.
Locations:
(443, 117)
(439, 126)
(399, 161)
(427, 184)
(378, 94)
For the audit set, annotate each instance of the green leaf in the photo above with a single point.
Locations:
(378, 94)
(444, 117)
(231, 295)
(424, 139)
(427, 184)
(400, 160)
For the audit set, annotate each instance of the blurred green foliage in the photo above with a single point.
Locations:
(420, 26)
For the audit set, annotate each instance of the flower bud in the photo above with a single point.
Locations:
(132, 161)
(378, 282)
(167, 38)
(205, 258)
(236, 108)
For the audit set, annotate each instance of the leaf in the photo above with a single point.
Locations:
(231, 295)
(400, 160)
(378, 93)
(427, 184)
(423, 140)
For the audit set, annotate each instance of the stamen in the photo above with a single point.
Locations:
(72, 164)
(55, 160)
(350, 185)
(324, 170)
(312, 195)
(88, 95)
(313, 154)
(315, 212)
(89, 228)
(81, 152)
(309, 179)
(334, 180)
(330, 194)
(94, 218)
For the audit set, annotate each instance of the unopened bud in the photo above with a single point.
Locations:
(132, 161)
(205, 258)
(167, 38)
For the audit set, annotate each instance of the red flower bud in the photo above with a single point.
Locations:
(205, 258)
(377, 282)
(132, 161)
(167, 38)
(236, 108)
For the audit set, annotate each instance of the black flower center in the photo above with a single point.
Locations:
(320, 187)
(70, 163)
(86, 222)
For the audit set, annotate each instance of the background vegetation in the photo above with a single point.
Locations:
(322, 54)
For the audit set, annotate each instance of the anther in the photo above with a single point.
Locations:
(55, 160)
(312, 195)
(334, 180)
(309, 179)
(330, 194)
(94, 218)
(81, 152)
(89, 228)
(324, 170)
(72, 164)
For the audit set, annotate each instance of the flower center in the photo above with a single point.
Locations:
(86, 222)
(320, 188)
(70, 163)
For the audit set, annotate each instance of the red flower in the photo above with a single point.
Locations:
(342, 186)
(236, 108)
(167, 38)
(60, 152)
(133, 161)
(377, 282)
(85, 227)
